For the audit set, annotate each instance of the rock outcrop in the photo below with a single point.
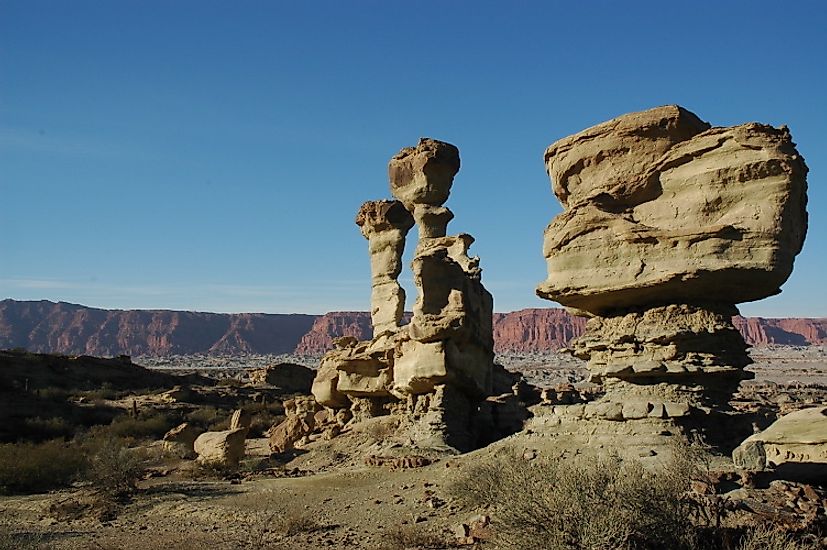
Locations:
(180, 440)
(288, 377)
(667, 224)
(797, 442)
(330, 326)
(530, 330)
(437, 370)
(51, 327)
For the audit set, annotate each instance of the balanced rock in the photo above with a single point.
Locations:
(424, 174)
(660, 209)
(667, 224)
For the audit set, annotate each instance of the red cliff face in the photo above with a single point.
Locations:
(333, 325)
(758, 331)
(72, 329)
(535, 330)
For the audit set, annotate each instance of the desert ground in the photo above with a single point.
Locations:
(356, 490)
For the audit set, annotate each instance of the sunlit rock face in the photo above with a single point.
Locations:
(661, 209)
(668, 223)
(437, 371)
(385, 225)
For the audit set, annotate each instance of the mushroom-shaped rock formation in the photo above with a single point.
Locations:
(437, 371)
(667, 224)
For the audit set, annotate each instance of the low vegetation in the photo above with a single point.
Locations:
(602, 503)
(145, 426)
(99, 458)
(39, 467)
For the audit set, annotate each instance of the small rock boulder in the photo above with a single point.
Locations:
(180, 440)
(796, 441)
(222, 449)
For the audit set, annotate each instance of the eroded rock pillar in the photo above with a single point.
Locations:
(385, 225)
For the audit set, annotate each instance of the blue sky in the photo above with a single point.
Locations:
(212, 155)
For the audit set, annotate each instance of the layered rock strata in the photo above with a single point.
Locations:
(437, 371)
(667, 224)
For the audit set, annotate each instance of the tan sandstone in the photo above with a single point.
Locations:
(667, 224)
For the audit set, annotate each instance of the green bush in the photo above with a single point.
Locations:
(39, 467)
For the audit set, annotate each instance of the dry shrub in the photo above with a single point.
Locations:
(208, 417)
(152, 426)
(411, 538)
(38, 428)
(21, 540)
(39, 467)
(765, 537)
(298, 523)
(113, 468)
(595, 503)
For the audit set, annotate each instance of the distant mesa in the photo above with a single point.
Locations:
(59, 327)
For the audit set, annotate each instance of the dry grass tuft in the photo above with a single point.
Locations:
(299, 523)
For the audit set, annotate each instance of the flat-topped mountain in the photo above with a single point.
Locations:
(44, 326)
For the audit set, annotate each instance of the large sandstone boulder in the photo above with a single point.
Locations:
(222, 449)
(796, 439)
(424, 174)
(673, 212)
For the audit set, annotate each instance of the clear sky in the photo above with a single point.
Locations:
(212, 155)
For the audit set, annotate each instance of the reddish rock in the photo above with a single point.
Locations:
(535, 329)
(333, 325)
(758, 331)
(72, 329)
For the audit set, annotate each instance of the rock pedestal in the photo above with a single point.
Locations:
(667, 224)
(438, 370)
